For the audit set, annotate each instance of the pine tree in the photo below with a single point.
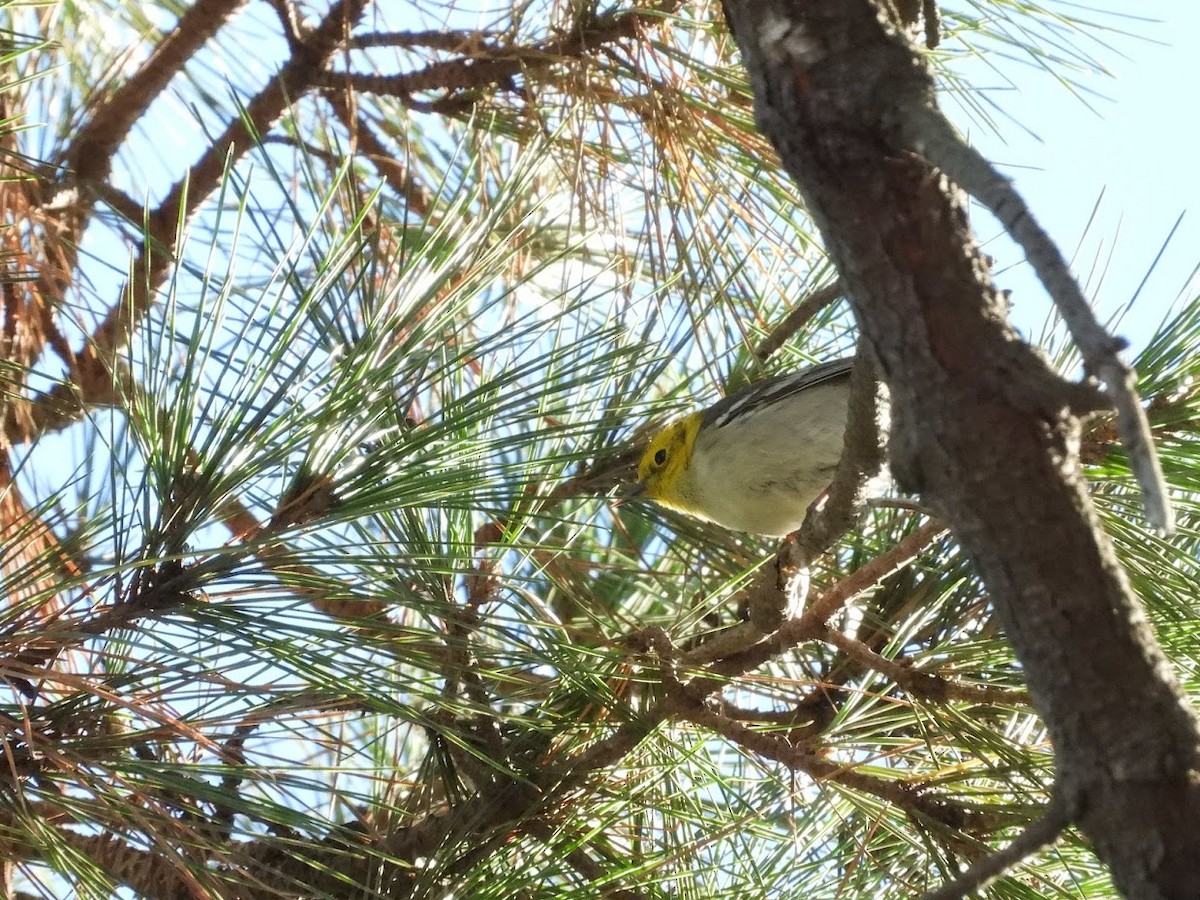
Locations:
(329, 334)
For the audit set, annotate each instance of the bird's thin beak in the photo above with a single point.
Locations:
(630, 491)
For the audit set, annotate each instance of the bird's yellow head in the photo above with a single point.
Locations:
(661, 468)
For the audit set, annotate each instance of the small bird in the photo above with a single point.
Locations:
(755, 460)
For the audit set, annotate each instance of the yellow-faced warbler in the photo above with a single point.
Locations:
(755, 460)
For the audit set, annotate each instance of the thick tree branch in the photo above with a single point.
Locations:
(929, 132)
(981, 427)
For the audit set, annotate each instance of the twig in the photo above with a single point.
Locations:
(369, 145)
(863, 459)
(916, 682)
(465, 42)
(770, 588)
(290, 21)
(689, 701)
(862, 579)
(933, 23)
(816, 709)
(88, 160)
(747, 648)
(805, 310)
(1038, 834)
(821, 769)
(730, 641)
(571, 849)
(90, 155)
(97, 359)
(500, 65)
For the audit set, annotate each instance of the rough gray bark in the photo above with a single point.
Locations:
(982, 428)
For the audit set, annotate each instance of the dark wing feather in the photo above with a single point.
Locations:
(761, 393)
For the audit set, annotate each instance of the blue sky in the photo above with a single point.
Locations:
(1133, 152)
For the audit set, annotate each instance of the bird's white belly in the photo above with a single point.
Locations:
(756, 476)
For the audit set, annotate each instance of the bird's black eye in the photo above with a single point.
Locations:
(660, 457)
